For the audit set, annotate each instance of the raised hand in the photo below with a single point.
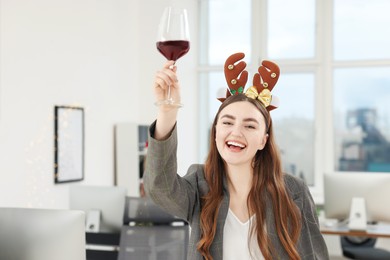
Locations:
(166, 81)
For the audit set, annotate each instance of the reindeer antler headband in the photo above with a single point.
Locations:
(263, 81)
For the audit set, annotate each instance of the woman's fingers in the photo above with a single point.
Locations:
(166, 77)
(166, 82)
(168, 64)
(163, 80)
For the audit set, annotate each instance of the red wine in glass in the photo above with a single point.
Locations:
(173, 50)
(173, 41)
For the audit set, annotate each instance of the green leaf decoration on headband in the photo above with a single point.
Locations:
(240, 90)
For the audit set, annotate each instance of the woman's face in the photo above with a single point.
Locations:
(240, 133)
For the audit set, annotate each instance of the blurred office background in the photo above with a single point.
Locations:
(100, 55)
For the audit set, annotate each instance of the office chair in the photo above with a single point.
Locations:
(151, 233)
(362, 248)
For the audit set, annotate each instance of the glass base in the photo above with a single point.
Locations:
(168, 102)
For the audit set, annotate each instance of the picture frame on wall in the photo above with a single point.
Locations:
(68, 144)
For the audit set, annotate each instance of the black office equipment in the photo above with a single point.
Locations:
(102, 246)
(144, 210)
(151, 233)
(362, 248)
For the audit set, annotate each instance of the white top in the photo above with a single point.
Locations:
(235, 240)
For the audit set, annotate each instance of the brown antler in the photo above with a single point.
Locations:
(267, 77)
(235, 74)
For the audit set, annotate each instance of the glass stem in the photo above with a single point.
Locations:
(169, 86)
(169, 93)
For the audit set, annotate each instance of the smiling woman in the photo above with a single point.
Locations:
(241, 183)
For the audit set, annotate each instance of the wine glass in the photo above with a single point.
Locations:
(173, 41)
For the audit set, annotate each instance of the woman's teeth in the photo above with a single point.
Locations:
(231, 143)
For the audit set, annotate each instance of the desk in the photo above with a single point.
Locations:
(376, 231)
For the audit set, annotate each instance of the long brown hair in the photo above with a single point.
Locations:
(268, 183)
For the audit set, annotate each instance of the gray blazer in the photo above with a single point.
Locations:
(181, 196)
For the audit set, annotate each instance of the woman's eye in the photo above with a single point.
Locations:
(250, 127)
(226, 123)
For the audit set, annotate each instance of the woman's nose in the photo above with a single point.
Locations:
(237, 130)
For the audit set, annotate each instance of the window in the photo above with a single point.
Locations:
(361, 87)
(291, 29)
(234, 15)
(362, 119)
(335, 78)
(294, 127)
(360, 29)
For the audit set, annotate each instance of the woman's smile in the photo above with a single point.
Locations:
(235, 146)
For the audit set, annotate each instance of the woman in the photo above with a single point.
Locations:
(239, 203)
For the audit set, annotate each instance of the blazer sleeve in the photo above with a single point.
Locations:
(162, 184)
(312, 227)
(311, 244)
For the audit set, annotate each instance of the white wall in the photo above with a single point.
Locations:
(100, 55)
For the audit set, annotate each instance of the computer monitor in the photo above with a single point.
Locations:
(103, 205)
(41, 234)
(144, 210)
(341, 188)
